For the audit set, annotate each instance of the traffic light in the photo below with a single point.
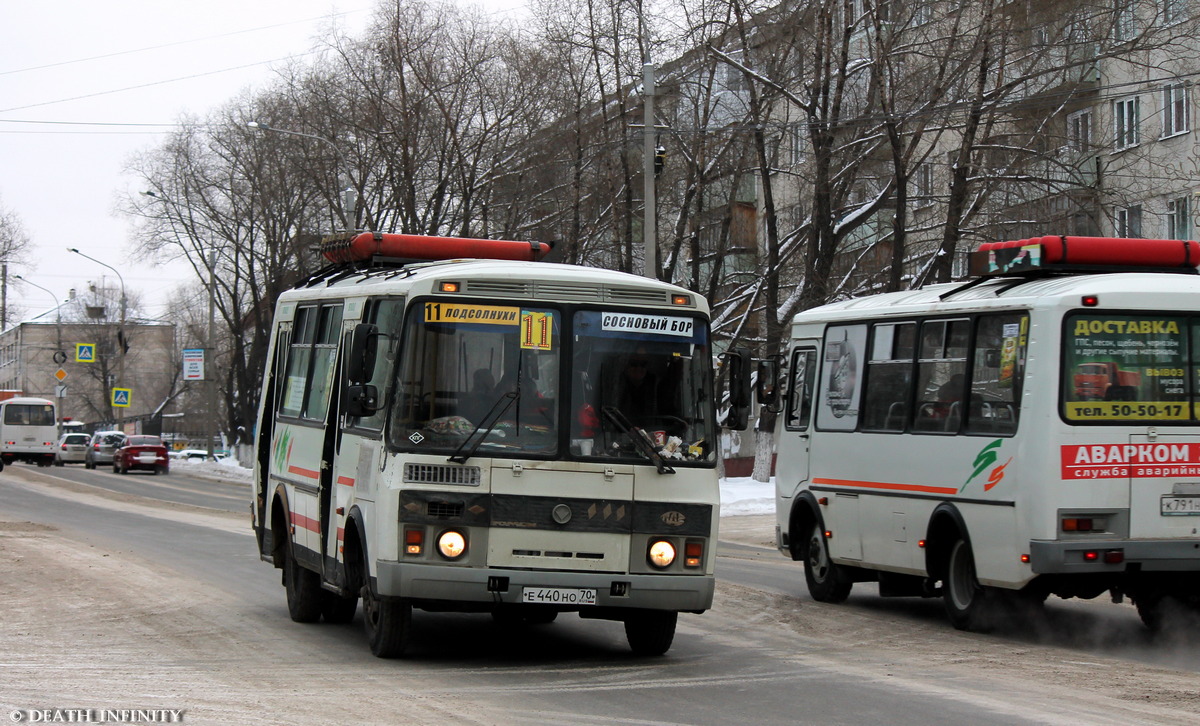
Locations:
(660, 158)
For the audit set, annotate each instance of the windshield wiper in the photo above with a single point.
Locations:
(493, 415)
(641, 439)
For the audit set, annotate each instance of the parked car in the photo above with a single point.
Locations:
(72, 449)
(141, 452)
(102, 446)
(190, 454)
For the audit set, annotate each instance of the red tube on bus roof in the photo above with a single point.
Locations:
(365, 245)
(1061, 252)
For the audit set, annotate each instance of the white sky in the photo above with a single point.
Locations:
(90, 72)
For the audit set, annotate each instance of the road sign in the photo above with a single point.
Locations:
(60, 374)
(60, 391)
(60, 357)
(121, 397)
(193, 364)
(85, 352)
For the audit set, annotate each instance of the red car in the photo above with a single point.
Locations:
(141, 452)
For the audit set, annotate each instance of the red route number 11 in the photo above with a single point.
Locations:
(535, 330)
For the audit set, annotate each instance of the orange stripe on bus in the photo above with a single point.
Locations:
(346, 480)
(304, 472)
(304, 522)
(887, 485)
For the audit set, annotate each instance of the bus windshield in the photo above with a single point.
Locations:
(486, 378)
(649, 370)
(473, 370)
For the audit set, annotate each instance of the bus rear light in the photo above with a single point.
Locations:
(1114, 557)
(414, 541)
(1084, 524)
(1091, 556)
(693, 554)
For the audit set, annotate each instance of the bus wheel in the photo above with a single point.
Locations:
(650, 632)
(337, 609)
(303, 590)
(1164, 612)
(387, 623)
(966, 600)
(826, 581)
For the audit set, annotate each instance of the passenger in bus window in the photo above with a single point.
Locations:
(637, 389)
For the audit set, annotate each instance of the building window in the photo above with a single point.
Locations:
(922, 13)
(796, 135)
(1124, 27)
(1126, 118)
(1128, 221)
(1079, 130)
(1179, 222)
(923, 185)
(1175, 109)
(1173, 11)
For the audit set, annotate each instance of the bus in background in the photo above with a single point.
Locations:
(28, 431)
(1032, 432)
(496, 435)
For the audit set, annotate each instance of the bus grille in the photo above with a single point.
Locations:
(440, 474)
(445, 510)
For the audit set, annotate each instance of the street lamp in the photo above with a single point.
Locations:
(349, 194)
(58, 336)
(210, 344)
(121, 328)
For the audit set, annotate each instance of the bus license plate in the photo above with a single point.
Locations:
(558, 596)
(1174, 505)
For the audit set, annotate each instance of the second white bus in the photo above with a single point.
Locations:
(28, 431)
(1033, 432)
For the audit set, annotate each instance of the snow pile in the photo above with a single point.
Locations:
(739, 496)
(743, 495)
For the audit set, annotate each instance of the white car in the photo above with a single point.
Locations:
(190, 454)
(72, 449)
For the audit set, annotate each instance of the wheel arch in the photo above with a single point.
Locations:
(354, 550)
(946, 525)
(281, 529)
(805, 513)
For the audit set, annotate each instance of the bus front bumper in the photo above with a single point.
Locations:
(684, 593)
(1091, 556)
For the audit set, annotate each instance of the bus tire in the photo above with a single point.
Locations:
(650, 632)
(826, 581)
(303, 590)
(386, 621)
(965, 599)
(337, 609)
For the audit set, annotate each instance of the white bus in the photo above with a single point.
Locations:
(28, 431)
(502, 436)
(1034, 431)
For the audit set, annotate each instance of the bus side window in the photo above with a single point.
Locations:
(889, 377)
(800, 389)
(386, 315)
(996, 374)
(941, 375)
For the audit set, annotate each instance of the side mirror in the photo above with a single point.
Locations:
(364, 345)
(362, 400)
(738, 380)
(767, 385)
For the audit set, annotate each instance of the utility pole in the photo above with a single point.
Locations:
(210, 368)
(650, 263)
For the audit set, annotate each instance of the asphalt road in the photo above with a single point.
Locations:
(162, 571)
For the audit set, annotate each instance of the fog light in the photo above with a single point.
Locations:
(452, 544)
(662, 553)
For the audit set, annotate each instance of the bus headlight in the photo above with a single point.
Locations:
(661, 553)
(452, 544)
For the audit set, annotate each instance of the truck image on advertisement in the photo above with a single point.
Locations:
(1105, 381)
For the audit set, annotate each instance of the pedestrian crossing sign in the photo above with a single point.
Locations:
(121, 397)
(85, 352)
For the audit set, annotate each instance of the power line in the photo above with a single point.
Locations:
(176, 44)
